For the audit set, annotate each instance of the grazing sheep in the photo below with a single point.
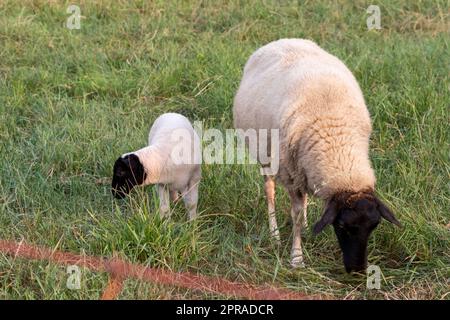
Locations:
(324, 127)
(171, 161)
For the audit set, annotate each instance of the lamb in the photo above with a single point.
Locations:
(324, 126)
(171, 161)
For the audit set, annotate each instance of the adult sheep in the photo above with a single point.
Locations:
(324, 127)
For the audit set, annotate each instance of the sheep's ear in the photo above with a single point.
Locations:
(328, 217)
(386, 213)
(120, 167)
(136, 169)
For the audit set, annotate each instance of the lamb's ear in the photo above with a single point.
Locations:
(328, 217)
(120, 166)
(136, 168)
(386, 213)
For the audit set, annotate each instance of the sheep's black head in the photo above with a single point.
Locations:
(354, 216)
(128, 171)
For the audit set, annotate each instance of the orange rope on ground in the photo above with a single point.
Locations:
(113, 288)
(120, 270)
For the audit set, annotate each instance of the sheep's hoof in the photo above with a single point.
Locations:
(164, 214)
(276, 237)
(297, 262)
(276, 241)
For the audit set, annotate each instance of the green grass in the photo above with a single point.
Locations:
(71, 101)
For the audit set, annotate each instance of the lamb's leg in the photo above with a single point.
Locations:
(269, 188)
(164, 205)
(173, 195)
(190, 198)
(297, 204)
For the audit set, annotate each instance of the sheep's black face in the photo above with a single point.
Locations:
(128, 172)
(354, 217)
(353, 227)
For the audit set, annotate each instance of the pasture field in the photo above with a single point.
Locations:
(72, 101)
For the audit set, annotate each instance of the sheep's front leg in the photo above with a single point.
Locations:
(269, 188)
(164, 205)
(190, 198)
(298, 203)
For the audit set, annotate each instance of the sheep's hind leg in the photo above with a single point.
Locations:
(269, 188)
(298, 203)
(190, 198)
(304, 208)
(164, 204)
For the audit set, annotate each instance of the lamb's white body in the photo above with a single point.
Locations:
(164, 166)
(314, 100)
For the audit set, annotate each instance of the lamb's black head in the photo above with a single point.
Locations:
(354, 216)
(128, 172)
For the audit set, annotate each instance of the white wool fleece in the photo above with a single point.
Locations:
(314, 100)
